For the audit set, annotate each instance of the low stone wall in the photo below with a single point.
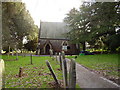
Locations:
(1, 71)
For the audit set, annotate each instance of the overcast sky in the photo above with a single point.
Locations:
(50, 10)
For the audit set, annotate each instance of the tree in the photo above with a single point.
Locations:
(107, 19)
(31, 45)
(78, 22)
(93, 21)
(17, 23)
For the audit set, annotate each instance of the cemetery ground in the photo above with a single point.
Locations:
(106, 65)
(36, 75)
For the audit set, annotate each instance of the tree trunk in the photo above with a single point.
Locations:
(9, 51)
(84, 46)
(78, 49)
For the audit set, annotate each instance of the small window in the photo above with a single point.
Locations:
(65, 46)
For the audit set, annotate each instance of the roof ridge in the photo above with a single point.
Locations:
(51, 22)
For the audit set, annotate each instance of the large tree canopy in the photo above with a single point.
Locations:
(16, 24)
(97, 23)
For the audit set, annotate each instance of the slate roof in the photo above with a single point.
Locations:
(53, 30)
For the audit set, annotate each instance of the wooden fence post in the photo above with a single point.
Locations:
(31, 58)
(52, 72)
(64, 69)
(20, 72)
(72, 74)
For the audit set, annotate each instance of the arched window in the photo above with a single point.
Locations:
(64, 45)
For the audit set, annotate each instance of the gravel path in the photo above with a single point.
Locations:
(88, 79)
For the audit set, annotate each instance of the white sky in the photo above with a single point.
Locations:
(50, 10)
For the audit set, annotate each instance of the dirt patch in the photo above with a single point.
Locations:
(54, 85)
(35, 67)
(45, 74)
(59, 69)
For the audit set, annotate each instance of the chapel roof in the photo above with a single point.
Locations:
(53, 30)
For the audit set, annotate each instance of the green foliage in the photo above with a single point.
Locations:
(31, 45)
(114, 42)
(16, 24)
(94, 23)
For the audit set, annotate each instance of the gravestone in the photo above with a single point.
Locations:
(60, 60)
(64, 70)
(63, 54)
(72, 74)
(51, 52)
(1, 73)
(52, 72)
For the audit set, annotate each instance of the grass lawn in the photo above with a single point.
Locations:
(107, 65)
(34, 76)
(10, 57)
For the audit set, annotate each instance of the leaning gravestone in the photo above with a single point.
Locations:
(1, 72)
(52, 72)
